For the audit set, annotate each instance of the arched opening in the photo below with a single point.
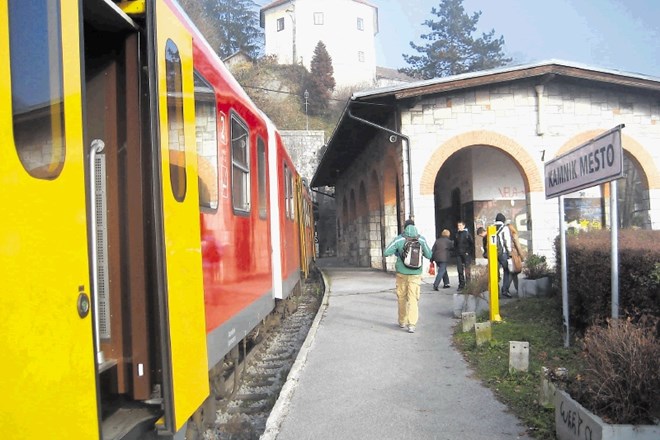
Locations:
(590, 208)
(473, 185)
(351, 229)
(363, 258)
(342, 225)
(633, 195)
(376, 221)
(391, 206)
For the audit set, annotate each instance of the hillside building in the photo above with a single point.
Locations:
(293, 28)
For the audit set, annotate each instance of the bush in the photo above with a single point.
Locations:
(589, 275)
(535, 267)
(621, 378)
(478, 283)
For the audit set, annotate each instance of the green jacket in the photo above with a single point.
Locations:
(396, 247)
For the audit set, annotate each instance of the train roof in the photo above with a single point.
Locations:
(212, 56)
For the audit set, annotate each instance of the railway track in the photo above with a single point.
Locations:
(243, 415)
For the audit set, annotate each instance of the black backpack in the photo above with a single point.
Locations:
(412, 253)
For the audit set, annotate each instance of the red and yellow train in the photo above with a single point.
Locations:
(151, 218)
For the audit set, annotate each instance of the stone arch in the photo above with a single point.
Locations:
(390, 204)
(528, 168)
(344, 211)
(376, 222)
(362, 220)
(374, 194)
(362, 208)
(351, 206)
(352, 229)
(630, 145)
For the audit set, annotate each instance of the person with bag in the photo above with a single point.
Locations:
(408, 279)
(440, 254)
(517, 256)
(463, 245)
(503, 251)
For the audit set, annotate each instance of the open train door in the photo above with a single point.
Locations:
(180, 278)
(47, 373)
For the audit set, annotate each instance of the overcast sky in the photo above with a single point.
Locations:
(612, 34)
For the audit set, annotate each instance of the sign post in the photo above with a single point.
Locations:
(597, 161)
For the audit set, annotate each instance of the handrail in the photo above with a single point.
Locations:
(96, 147)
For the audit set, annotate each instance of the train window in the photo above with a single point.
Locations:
(292, 206)
(240, 161)
(261, 181)
(37, 91)
(175, 126)
(206, 123)
(288, 193)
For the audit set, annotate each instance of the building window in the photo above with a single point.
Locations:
(206, 123)
(240, 161)
(280, 24)
(360, 24)
(175, 126)
(318, 18)
(37, 90)
(361, 56)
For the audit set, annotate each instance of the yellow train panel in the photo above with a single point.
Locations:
(48, 360)
(181, 220)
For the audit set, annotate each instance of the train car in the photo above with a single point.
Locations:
(151, 219)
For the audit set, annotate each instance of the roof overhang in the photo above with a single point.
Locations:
(351, 137)
(379, 106)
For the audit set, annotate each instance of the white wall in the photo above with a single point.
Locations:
(338, 32)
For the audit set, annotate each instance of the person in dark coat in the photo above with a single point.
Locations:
(463, 245)
(440, 255)
(504, 244)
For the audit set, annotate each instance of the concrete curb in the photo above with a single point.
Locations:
(281, 407)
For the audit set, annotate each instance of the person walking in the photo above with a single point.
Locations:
(516, 248)
(408, 279)
(481, 232)
(503, 252)
(440, 255)
(463, 244)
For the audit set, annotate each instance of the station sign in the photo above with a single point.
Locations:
(592, 163)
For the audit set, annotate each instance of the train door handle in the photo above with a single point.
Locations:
(83, 303)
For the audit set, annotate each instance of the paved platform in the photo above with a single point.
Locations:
(359, 376)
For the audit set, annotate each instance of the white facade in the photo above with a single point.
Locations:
(293, 28)
(479, 143)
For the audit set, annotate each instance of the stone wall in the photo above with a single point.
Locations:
(522, 122)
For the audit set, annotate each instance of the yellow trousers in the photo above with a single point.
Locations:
(407, 292)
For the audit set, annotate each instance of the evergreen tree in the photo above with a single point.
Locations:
(321, 82)
(229, 25)
(452, 48)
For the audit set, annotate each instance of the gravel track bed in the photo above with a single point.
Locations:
(243, 416)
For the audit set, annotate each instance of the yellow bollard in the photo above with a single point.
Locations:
(493, 269)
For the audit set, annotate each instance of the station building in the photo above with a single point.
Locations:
(472, 145)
